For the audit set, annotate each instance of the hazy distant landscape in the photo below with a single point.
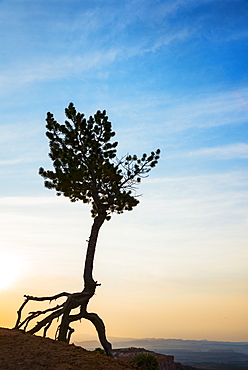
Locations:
(201, 354)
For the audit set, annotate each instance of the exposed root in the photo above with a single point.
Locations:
(62, 313)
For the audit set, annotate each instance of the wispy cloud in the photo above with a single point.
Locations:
(224, 152)
(21, 74)
(9, 162)
(209, 110)
(160, 118)
(233, 151)
(88, 48)
(93, 47)
(202, 214)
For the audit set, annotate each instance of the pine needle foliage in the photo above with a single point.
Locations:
(86, 166)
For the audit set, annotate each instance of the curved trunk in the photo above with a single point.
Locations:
(87, 293)
(89, 283)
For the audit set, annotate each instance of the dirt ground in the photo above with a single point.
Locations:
(23, 351)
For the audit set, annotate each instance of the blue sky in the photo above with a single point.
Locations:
(171, 75)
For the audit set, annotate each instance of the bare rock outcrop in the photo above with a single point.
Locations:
(165, 362)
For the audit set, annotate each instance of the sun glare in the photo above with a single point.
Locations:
(10, 269)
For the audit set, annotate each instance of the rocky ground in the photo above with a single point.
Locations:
(23, 351)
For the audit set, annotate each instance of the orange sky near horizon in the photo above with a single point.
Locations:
(180, 319)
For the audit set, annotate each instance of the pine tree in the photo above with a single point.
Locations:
(87, 169)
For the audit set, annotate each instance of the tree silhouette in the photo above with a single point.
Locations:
(87, 169)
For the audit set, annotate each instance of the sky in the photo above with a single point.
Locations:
(171, 75)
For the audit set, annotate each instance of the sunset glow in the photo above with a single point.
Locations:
(10, 270)
(172, 75)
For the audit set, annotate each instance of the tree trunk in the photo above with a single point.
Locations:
(87, 293)
(89, 283)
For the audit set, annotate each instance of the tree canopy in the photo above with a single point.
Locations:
(86, 166)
